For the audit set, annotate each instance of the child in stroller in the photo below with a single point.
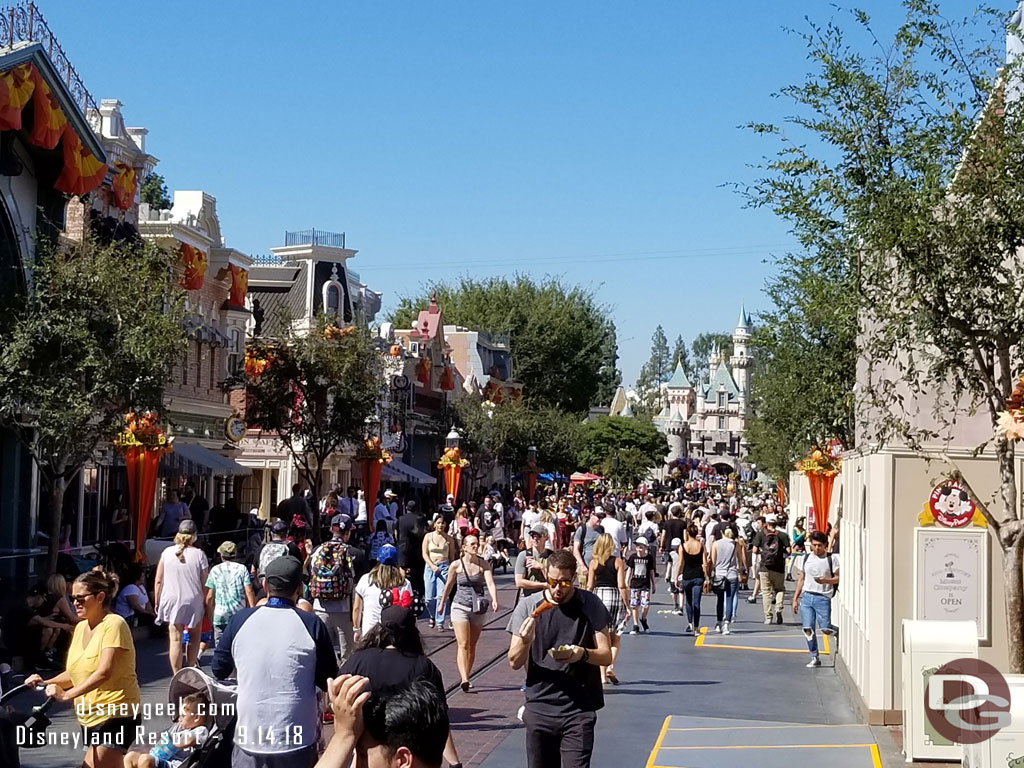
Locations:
(219, 720)
(180, 740)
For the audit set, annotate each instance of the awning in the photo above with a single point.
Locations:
(400, 472)
(193, 458)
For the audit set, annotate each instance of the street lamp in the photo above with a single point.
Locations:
(531, 453)
(453, 439)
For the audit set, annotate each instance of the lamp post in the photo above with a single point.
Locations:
(615, 469)
(530, 473)
(453, 439)
(451, 462)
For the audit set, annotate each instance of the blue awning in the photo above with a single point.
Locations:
(194, 459)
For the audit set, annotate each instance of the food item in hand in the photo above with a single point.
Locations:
(544, 606)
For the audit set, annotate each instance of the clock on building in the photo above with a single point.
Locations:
(235, 428)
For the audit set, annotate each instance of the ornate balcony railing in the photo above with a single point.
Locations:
(23, 23)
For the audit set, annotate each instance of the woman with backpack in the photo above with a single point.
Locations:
(384, 584)
(331, 585)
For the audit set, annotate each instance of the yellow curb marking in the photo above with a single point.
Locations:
(657, 744)
(785, 726)
(699, 643)
(780, 746)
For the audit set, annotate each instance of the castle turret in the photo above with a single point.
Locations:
(740, 360)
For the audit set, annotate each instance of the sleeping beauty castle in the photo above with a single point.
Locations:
(706, 419)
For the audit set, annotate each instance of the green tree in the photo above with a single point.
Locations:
(563, 341)
(681, 355)
(154, 192)
(656, 371)
(93, 339)
(626, 469)
(606, 436)
(806, 363)
(903, 161)
(702, 344)
(316, 392)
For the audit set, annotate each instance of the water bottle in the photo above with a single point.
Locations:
(184, 637)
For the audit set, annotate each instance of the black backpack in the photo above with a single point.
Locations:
(772, 556)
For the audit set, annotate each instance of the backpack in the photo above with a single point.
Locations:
(270, 552)
(772, 557)
(330, 572)
(831, 571)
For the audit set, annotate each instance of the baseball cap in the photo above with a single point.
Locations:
(387, 555)
(599, 511)
(342, 522)
(773, 519)
(642, 542)
(389, 493)
(187, 527)
(675, 542)
(227, 549)
(539, 530)
(284, 573)
(279, 526)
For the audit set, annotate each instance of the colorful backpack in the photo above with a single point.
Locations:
(330, 572)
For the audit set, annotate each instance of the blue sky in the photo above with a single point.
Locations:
(588, 140)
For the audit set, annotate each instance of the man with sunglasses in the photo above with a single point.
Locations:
(563, 649)
(529, 567)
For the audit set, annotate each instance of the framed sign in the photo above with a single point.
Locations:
(952, 571)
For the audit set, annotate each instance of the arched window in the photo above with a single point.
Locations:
(333, 300)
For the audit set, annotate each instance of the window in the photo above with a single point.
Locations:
(199, 364)
(184, 369)
(213, 368)
(235, 351)
(333, 300)
(721, 422)
(721, 400)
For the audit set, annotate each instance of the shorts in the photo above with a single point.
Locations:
(206, 637)
(464, 614)
(116, 733)
(611, 597)
(639, 598)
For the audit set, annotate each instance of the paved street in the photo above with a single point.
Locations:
(745, 699)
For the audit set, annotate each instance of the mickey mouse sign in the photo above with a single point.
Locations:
(950, 506)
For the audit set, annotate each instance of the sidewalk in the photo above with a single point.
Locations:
(153, 670)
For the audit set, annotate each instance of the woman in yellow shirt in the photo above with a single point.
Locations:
(100, 675)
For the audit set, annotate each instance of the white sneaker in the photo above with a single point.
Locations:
(718, 628)
(689, 628)
(814, 662)
(519, 714)
(769, 621)
(725, 628)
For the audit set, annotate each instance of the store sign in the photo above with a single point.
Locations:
(952, 576)
(950, 506)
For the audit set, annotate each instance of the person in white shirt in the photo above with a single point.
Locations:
(819, 577)
(391, 501)
(530, 518)
(381, 512)
(613, 528)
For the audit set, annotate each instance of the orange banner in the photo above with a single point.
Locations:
(452, 475)
(239, 286)
(195, 262)
(125, 186)
(48, 119)
(82, 172)
(370, 470)
(16, 88)
(821, 497)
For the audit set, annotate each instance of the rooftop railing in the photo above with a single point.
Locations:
(315, 237)
(23, 23)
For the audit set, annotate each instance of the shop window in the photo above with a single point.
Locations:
(235, 351)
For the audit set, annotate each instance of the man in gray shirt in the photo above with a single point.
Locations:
(584, 540)
(529, 567)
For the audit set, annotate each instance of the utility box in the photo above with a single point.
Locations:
(927, 645)
(1005, 749)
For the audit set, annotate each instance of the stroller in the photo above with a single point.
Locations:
(216, 750)
(32, 719)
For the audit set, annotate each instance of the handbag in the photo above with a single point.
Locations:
(718, 583)
(481, 604)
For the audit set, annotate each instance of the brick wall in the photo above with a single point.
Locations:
(191, 378)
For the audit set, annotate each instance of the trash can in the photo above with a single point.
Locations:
(927, 645)
(1004, 750)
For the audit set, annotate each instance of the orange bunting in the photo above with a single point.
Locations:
(195, 262)
(423, 371)
(48, 120)
(239, 286)
(82, 172)
(447, 379)
(125, 185)
(16, 88)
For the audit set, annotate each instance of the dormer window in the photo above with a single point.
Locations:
(334, 296)
(721, 399)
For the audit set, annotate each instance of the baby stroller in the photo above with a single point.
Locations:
(216, 750)
(31, 718)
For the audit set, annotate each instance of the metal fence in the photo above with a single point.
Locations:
(315, 237)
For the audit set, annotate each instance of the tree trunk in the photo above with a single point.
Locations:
(55, 493)
(1013, 576)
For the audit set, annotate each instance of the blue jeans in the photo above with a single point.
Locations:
(815, 608)
(693, 589)
(433, 584)
(725, 608)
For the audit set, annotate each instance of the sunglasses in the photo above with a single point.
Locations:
(80, 599)
(564, 583)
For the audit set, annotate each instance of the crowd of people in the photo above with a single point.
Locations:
(331, 631)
